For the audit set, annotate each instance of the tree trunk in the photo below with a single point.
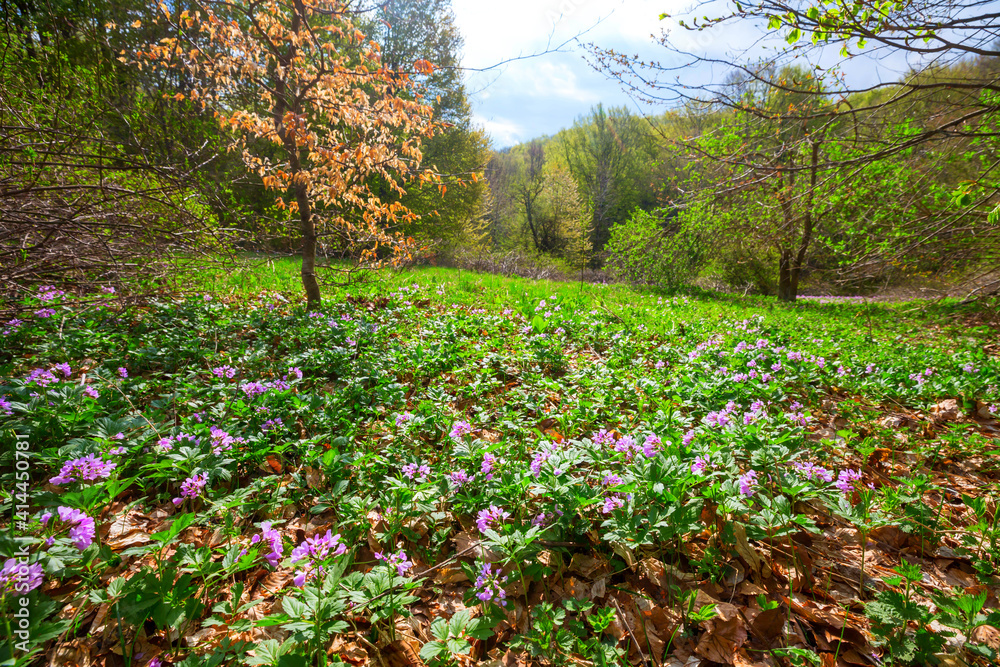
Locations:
(786, 288)
(309, 281)
(807, 224)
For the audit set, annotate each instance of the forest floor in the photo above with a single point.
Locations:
(449, 468)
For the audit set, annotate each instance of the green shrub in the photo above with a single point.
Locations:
(657, 248)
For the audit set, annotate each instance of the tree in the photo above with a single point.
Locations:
(413, 30)
(940, 114)
(339, 116)
(528, 188)
(605, 152)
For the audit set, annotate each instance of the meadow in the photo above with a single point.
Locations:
(449, 468)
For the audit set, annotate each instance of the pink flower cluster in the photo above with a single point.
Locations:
(192, 487)
(273, 539)
(82, 530)
(86, 468)
(18, 577)
(488, 516)
(489, 585)
(399, 560)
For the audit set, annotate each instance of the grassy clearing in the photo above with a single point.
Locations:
(463, 467)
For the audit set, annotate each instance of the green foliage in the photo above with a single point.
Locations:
(660, 248)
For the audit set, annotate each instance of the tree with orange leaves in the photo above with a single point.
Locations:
(335, 114)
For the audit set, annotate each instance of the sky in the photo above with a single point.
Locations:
(535, 96)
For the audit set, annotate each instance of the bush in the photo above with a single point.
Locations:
(656, 248)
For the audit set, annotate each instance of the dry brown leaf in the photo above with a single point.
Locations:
(749, 554)
(75, 653)
(721, 639)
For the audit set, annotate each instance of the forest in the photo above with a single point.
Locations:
(300, 366)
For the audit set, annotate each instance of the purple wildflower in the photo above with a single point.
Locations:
(460, 428)
(846, 478)
(747, 482)
(64, 367)
(488, 516)
(650, 446)
(83, 529)
(612, 503)
(318, 548)
(400, 561)
(224, 372)
(486, 467)
(489, 585)
(86, 468)
(123, 372)
(45, 313)
(420, 472)
(273, 539)
(811, 470)
(41, 377)
(699, 465)
(90, 391)
(460, 478)
(19, 577)
(192, 487)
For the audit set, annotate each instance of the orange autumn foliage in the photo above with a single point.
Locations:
(341, 118)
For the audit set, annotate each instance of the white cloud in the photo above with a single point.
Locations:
(504, 132)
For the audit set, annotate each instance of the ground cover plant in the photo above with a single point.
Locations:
(446, 468)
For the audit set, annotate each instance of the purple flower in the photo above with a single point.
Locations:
(969, 368)
(270, 425)
(118, 436)
(603, 437)
(45, 313)
(846, 478)
(612, 479)
(296, 371)
(460, 478)
(811, 470)
(319, 547)
(83, 529)
(107, 289)
(688, 438)
(402, 419)
(488, 516)
(794, 356)
(192, 487)
(123, 372)
(747, 482)
(86, 468)
(90, 391)
(6, 406)
(117, 451)
(486, 467)
(460, 428)
(650, 446)
(611, 503)
(44, 519)
(699, 465)
(273, 538)
(306, 573)
(399, 560)
(64, 367)
(252, 389)
(224, 372)
(420, 472)
(489, 585)
(19, 577)
(41, 377)
(155, 662)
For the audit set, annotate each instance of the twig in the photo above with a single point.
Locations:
(642, 656)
